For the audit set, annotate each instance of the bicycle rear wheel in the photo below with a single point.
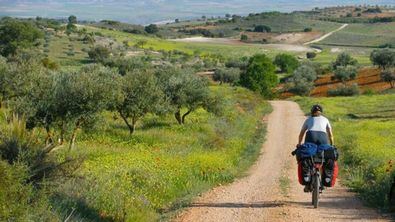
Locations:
(316, 190)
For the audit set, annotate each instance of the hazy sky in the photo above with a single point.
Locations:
(147, 11)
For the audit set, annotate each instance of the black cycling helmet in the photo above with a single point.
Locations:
(317, 108)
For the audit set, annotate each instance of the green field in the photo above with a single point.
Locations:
(364, 35)
(156, 171)
(364, 129)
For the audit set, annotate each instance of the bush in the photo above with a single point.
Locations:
(99, 53)
(244, 38)
(287, 63)
(345, 90)
(344, 59)
(311, 55)
(309, 29)
(383, 58)
(20, 201)
(262, 28)
(389, 76)
(302, 80)
(260, 75)
(227, 75)
(151, 29)
(345, 73)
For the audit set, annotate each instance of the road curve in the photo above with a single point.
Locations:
(326, 35)
(260, 197)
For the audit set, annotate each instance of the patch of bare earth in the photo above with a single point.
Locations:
(261, 196)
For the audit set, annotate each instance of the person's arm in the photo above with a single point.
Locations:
(330, 135)
(301, 135)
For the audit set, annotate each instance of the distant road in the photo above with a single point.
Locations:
(326, 35)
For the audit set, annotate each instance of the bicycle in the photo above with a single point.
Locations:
(316, 162)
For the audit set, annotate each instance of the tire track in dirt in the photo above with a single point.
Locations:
(259, 196)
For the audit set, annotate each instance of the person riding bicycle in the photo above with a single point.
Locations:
(317, 130)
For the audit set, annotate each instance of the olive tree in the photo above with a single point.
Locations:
(302, 80)
(345, 73)
(384, 58)
(184, 90)
(389, 76)
(79, 97)
(344, 60)
(141, 94)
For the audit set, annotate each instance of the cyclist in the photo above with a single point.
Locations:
(318, 130)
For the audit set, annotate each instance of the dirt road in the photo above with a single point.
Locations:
(263, 194)
(326, 35)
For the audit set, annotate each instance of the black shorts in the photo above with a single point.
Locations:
(316, 137)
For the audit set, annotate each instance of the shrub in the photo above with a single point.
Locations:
(260, 75)
(345, 73)
(15, 34)
(383, 58)
(345, 90)
(244, 38)
(262, 28)
(151, 29)
(287, 63)
(311, 55)
(344, 59)
(227, 75)
(309, 29)
(389, 76)
(99, 53)
(302, 80)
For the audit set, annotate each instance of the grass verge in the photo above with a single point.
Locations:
(150, 175)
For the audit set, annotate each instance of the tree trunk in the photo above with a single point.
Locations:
(125, 119)
(178, 117)
(48, 139)
(74, 134)
(185, 115)
(62, 132)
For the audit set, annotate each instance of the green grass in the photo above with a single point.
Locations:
(151, 174)
(326, 57)
(364, 129)
(364, 34)
(59, 47)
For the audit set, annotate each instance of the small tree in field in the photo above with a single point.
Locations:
(260, 75)
(141, 94)
(384, 58)
(389, 76)
(302, 81)
(80, 96)
(151, 29)
(287, 63)
(344, 60)
(345, 73)
(99, 53)
(184, 90)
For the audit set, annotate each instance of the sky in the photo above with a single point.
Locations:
(151, 11)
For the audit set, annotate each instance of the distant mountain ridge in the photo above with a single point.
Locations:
(149, 11)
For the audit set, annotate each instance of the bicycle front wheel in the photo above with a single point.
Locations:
(316, 190)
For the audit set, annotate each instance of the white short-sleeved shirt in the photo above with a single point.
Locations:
(317, 123)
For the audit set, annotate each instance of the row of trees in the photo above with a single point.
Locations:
(64, 102)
